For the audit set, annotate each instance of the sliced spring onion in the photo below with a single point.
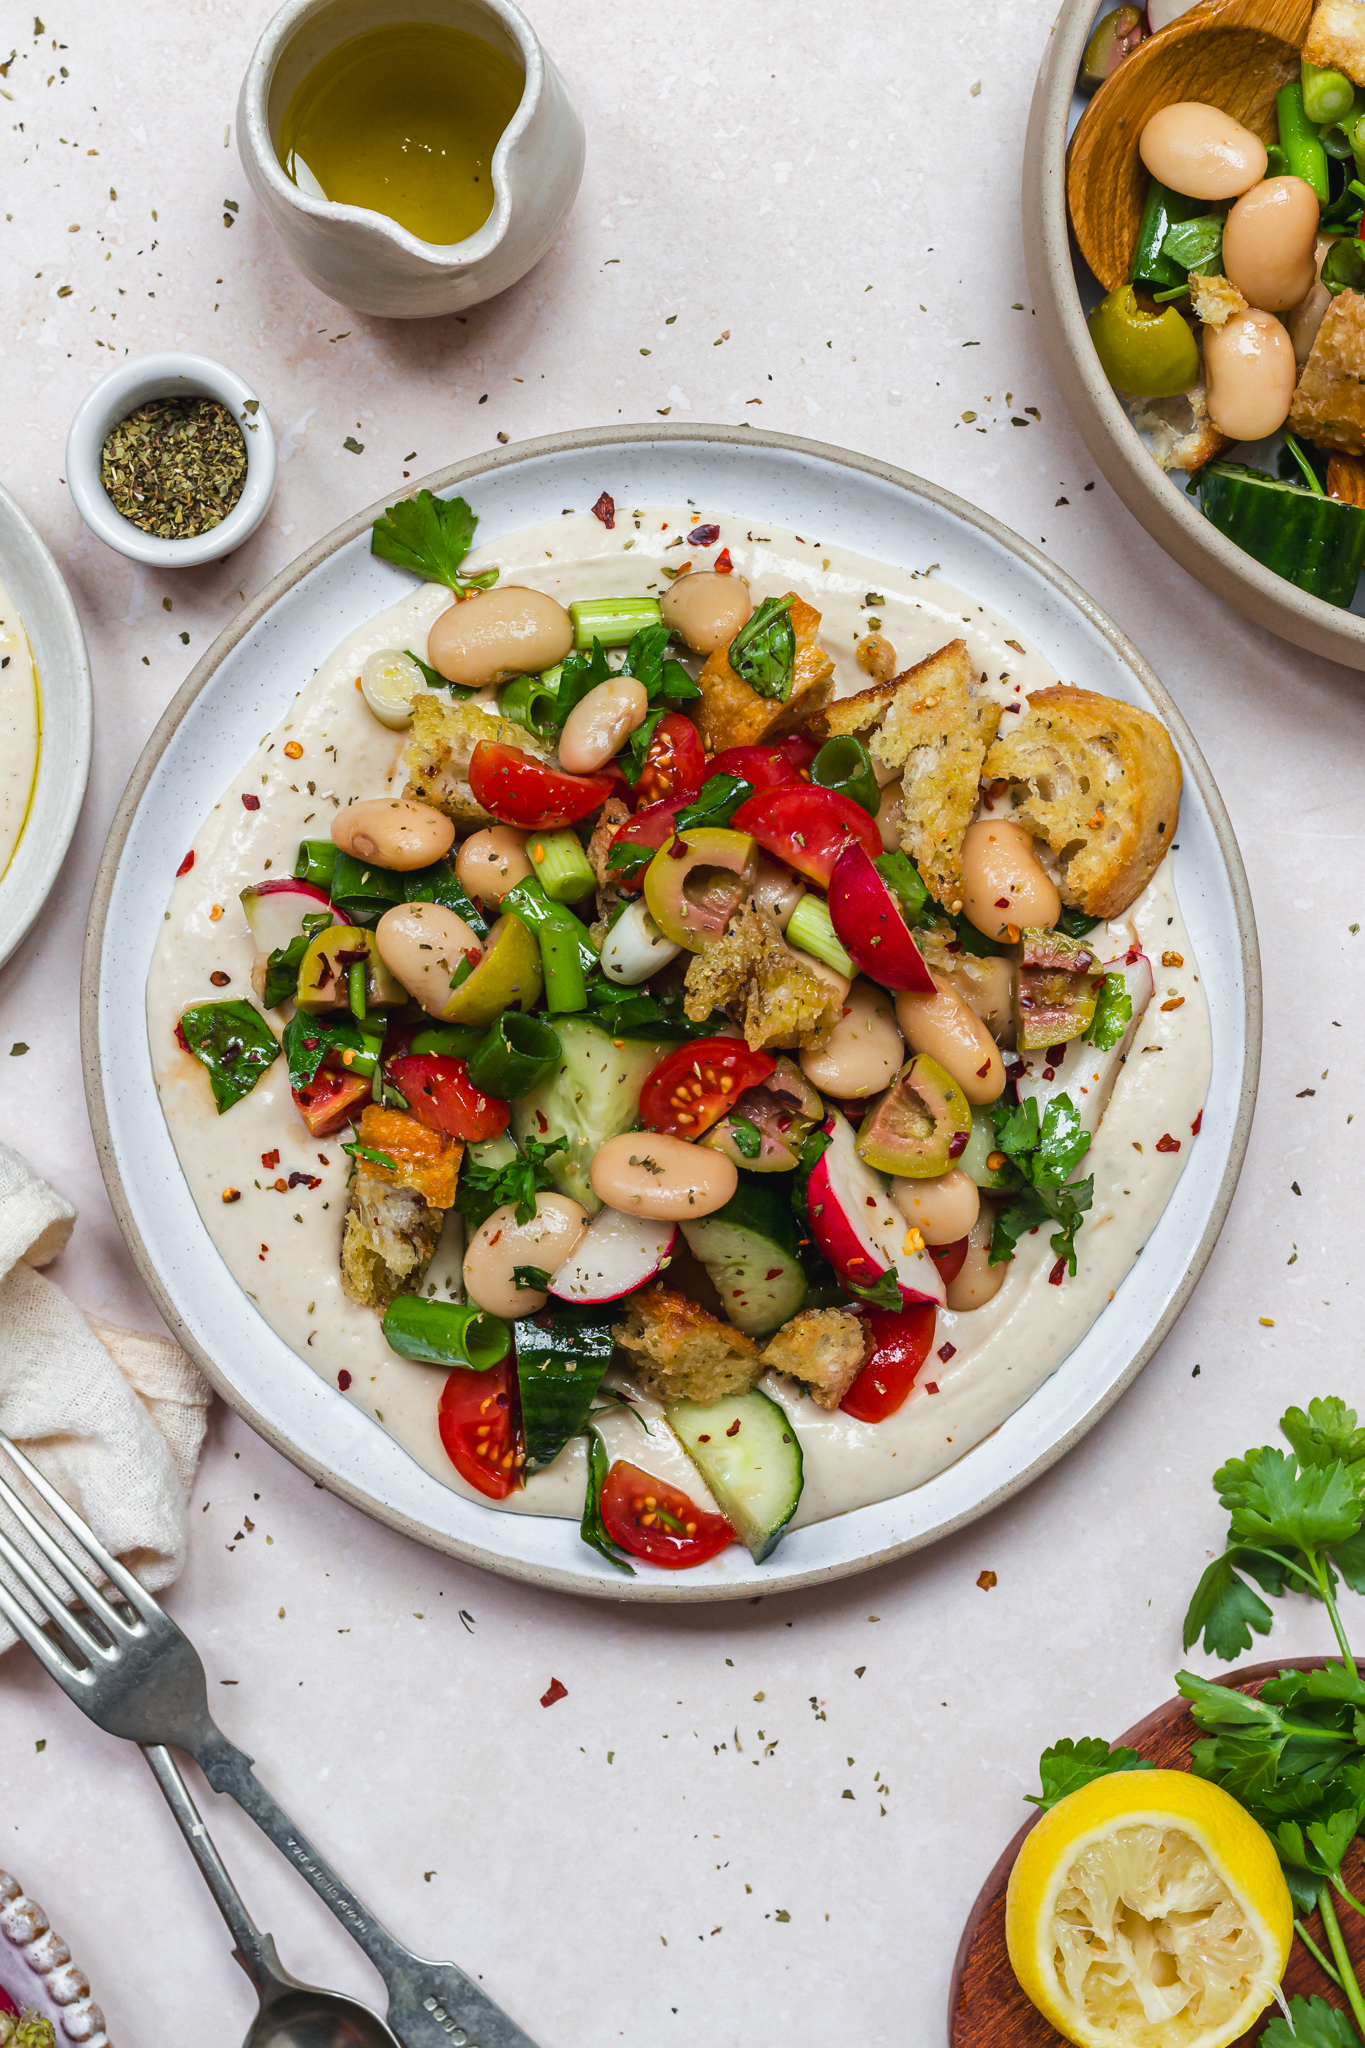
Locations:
(533, 702)
(612, 620)
(563, 944)
(812, 930)
(562, 868)
(445, 1332)
(316, 863)
(844, 765)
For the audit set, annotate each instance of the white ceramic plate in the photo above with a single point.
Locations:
(37, 1971)
(35, 584)
(238, 691)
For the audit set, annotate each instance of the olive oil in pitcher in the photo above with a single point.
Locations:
(404, 121)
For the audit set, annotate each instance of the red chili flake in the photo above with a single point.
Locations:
(947, 1351)
(186, 864)
(1058, 1273)
(1055, 1055)
(678, 850)
(733, 1430)
(1010, 707)
(343, 1379)
(957, 1144)
(605, 510)
(703, 536)
(1133, 955)
(1166, 1143)
(181, 1039)
(249, 802)
(982, 1072)
(1049, 1073)
(1194, 1127)
(931, 1386)
(773, 1273)
(722, 565)
(305, 1180)
(1002, 902)
(325, 1160)
(281, 1186)
(556, 1690)
(261, 1254)
(270, 1160)
(542, 1120)
(953, 946)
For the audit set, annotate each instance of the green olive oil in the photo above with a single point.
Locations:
(404, 121)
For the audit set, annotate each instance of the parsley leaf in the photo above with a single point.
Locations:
(763, 651)
(1040, 1159)
(1312, 2023)
(748, 1138)
(884, 1293)
(1225, 1611)
(1113, 1013)
(482, 1189)
(431, 536)
(1068, 1765)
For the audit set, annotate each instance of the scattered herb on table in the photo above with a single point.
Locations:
(175, 466)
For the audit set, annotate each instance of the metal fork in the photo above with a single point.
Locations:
(136, 1675)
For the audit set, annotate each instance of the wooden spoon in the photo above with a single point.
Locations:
(1233, 54)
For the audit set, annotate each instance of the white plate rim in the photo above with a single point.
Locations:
(683, 1588)
(45, 605)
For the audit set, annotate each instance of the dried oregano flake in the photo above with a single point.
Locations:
(175, 466)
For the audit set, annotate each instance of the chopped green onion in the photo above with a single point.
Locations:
(845, 766)
(562, 868)
(1327, 95)
(533, 702)
(316, 863)
(514, 1055)
(613, 621)
(355, 978)
(562, 941)
(445, 1333)
(812, 929)
(450, 1041)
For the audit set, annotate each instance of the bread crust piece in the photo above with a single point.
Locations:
(395, 1217)
(730, 714)
(1183, 435)
(1329, 405)
(1336, 38)
(1102, 787)
(679, 1351)
(931, 723)
(823, 1348)
(755, 977)
(437, 757)
(1214, 299)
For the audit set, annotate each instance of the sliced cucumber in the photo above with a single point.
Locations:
(561, 1357)
(980, 1145)
(593, 1095)
(746, 1450)
(749, 1250)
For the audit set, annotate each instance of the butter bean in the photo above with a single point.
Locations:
(1201, 151)
(944, 1027)
(865, 1050)
(942, 1210)
(1268, 240)
(422, 944)
(1004, 884)
(643, 1173)
(499, 632)
(393, 832)
(706, 610)
(977, 1281)
(500, 1244)
(600, 723)
(987, 987)
(1249, 363)
(491, 862)
(776, 889)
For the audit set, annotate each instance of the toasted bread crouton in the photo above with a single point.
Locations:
(1101, 786)
(394, 1221)
(681, 1352)
(612, 817)
(1214, 299)
(930, 723)
(1183, 435)
(1336, 38)
(1329, 405)
(777, 996)
(730, 714)
(824, 1348)
(437, 757)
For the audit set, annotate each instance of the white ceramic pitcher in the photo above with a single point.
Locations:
(365, 260)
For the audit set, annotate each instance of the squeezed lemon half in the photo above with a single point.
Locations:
(1148, 1910)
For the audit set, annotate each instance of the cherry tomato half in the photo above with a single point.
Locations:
(949, 1258)
(480, 1425)
(800, 751)
(441, 1095)
(649, 829)
(900, 1345)
(655, 1521)
(761, 767)
(694, 1085)
(330, 1100)
(520, 790)
(808, 828)
(675, 763)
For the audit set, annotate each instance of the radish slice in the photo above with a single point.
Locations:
(871, 927)
(856, 1225)
(615, 1255)
(276, 910)
(1081, 1072)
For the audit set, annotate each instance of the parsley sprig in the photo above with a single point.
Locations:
(1040, 1160)
(483, 1189)
(431, 536)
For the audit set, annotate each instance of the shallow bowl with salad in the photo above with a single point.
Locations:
(1193, 185)
(655, 1073)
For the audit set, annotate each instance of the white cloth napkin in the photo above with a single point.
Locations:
(113, 1419)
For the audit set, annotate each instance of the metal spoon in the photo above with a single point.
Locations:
(292, 2014)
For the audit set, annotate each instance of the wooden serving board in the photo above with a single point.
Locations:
(986, 2008)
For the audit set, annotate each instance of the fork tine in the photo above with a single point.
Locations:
(117, 1574)
(68, 1677)
(84, 1588)
(48, 1598)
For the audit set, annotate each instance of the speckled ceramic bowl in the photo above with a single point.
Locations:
(38, 1974)
(1063, 289)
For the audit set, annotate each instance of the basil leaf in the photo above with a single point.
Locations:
(635, 753)
(763, 651)
(676, 685)
(626, 859)
(748, 1139)
(307, 1040)
(440, 884)
(282, 967)
(232, 1042)
(645, 657)
(715, 803)
(579, 673)
(1196, 244)
(1075, 923)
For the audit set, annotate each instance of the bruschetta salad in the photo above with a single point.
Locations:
(686, 1026)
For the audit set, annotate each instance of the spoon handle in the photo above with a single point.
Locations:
(431, 2005)
(255, 1951)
